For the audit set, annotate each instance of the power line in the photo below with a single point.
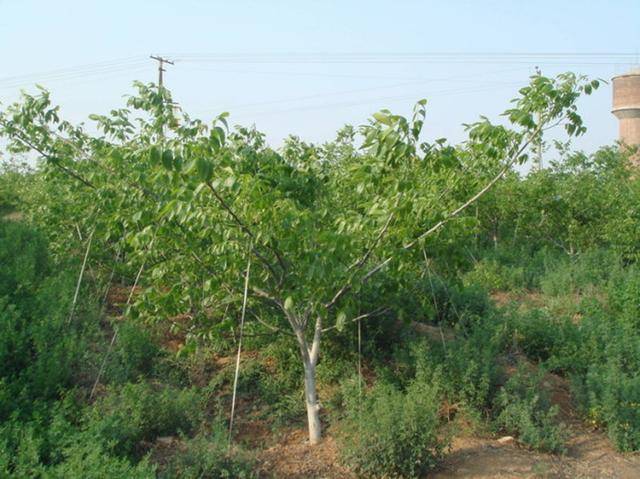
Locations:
(404, 54)
(312, 61)
(605, 58)
(74, 70)
(362, 90)
(385, 98)
(289, 73)
(100, 74)
(566, 59)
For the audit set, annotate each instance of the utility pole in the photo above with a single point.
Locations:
(161, 61)
(539, 145)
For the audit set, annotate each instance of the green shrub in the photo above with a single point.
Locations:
(543, 337)
(42, 352)
(467, 367)
(91, 461)
(392, 433)
(207, 457)
(523, 408)
(495, 276)
(24, 259)
(581, 273)
(623, 294)
(51, 444)
(448, 301)
(610, 397)
(471, 368)
(126, 417)
(134, 354)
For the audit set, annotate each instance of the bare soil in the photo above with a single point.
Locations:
(293, 458)
(589, 454)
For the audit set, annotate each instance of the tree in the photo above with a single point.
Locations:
(192, 202)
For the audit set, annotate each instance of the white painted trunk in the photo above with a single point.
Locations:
(311, 399)
(309, 357)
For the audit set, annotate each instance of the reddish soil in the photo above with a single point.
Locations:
(293, 458)
(529, 298)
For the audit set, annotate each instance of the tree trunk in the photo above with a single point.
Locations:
(313, 407)
(309, 361)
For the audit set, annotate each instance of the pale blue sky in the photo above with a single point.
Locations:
(314, 99)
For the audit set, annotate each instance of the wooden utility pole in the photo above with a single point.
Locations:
(539, 142)
(161, 61)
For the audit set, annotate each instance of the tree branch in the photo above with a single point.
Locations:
(52, 159)
(249, 233)
(377, 312)
(315, 346)
(272, 327)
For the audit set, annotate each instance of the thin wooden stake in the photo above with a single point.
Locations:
(115, 335)
(435, 301)
(84, 265)
(360, 380)
(235, 379)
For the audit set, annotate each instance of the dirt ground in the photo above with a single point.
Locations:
(589, 454)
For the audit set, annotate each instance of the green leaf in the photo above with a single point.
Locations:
(382, 118)
(205, 169)
(167, 159)
(288, 303)
(154, 154)
(341, 320)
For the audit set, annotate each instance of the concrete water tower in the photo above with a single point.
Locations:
(626, 107)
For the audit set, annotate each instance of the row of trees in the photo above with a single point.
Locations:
(188, 204)
(580, 202)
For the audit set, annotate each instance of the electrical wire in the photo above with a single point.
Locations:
(380, 99)
(362, 90)
(72, 73)
(560, 58)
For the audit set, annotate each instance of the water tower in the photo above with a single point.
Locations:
(626, 107)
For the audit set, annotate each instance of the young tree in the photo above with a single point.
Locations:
(194, 201)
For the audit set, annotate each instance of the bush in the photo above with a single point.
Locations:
(542, 337)
(206, 457)
(134, 354)
(24, 259)
(126, 417)
(91, 461)
(51, 444)
(623, 293)
(392, 433)
(523, 408)
(579, 274)
(611, 397)
(42, 353)
(495, 276)
(466, 367)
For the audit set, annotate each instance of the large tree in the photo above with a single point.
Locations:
(194, 203)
